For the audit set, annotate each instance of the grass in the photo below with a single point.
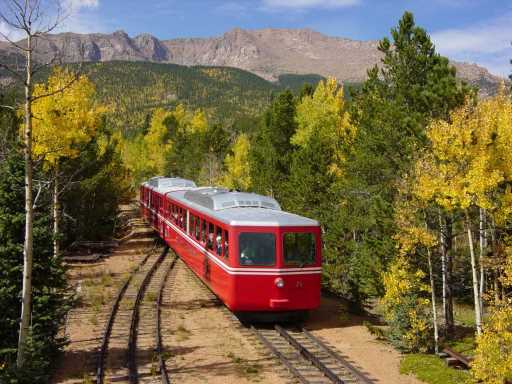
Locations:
(244, 368)
(466, 345)
(150, 297)
(464, 314)
(182, 333)
(432, 370)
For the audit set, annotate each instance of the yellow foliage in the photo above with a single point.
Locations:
(237, 174)
(148, 155)
(406, 306)
(64, 119)
(470, 157)
(493, 358)
(157, 142)
(323, 115)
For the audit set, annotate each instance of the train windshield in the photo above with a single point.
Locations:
(299, 248)
(257, 248)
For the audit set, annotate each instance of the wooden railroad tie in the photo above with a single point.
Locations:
(453, 358)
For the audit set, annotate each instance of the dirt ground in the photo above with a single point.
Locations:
(350, 338)
(96, 285)
(207, 345)
(203, 342)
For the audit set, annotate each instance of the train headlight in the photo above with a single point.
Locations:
(279, 282)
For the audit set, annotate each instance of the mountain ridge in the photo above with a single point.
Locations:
(268, 53)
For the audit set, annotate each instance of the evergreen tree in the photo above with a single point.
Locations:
(270, 156)
(391, 111)
(49, 299)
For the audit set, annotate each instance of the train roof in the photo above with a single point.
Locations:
(167, 184)
(239, 208)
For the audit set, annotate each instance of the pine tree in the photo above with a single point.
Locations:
(391, 111)
(270, 156)
(49, 288)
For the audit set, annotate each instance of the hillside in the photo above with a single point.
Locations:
(268, 53)
(225, 94)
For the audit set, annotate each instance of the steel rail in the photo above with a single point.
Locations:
(280, 356)
(353, 370)
(158, 336)
(133, 376)
(100, 365)
(308, 355)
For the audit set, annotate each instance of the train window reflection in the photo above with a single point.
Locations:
(299, 248)
(257, 248)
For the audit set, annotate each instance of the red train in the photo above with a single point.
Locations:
(255, 257)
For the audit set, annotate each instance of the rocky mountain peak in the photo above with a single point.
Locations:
(266, 52)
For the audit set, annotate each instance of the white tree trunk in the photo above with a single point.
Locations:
(434, 308)
(483, 247)
(476, 292)
(56, 213)
(442, 242)
(26, 303)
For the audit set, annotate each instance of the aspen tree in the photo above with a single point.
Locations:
(237, 175)
(33, 19)
(468, 166)
(63, 121)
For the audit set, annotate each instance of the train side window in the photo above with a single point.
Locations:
(211, 234)
(190, 224)
(226, 244)
(182, 218)
(203, 231)
(218, 241)
(198, 228)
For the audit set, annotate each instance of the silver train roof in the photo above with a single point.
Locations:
(167, 184)
(239, 208)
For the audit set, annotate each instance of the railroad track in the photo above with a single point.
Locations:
(308, 358)
(132, 340)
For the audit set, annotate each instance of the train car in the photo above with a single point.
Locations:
(254, 256)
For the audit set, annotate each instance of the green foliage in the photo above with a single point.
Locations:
(433, 370)
(295, 82)
(50, 302)
(391, 111)
(270, 156)
(91, 205)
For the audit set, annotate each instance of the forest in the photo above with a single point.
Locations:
(409, 175)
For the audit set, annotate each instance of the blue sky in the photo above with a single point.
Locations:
(477, 31)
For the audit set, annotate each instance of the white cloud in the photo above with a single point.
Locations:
(6, 31)
(76, 5)
(486, 43)
(304, 4)
(81, 17)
